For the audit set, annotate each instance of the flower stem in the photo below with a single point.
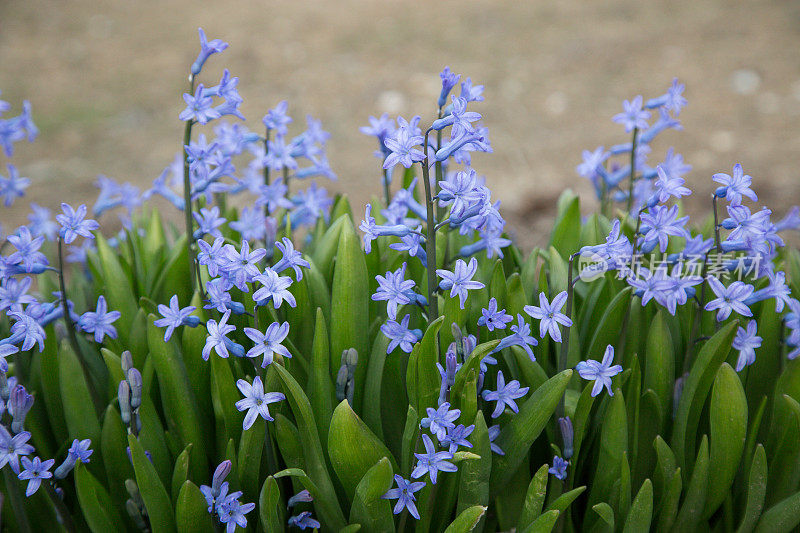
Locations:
(633, 168)
(430, 241)
(12, 487)
(73, 339)
(716, 222)
(63, 513)
(562, 359)
(187, 192)
(386, 193)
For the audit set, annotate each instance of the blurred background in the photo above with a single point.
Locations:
(105, 81)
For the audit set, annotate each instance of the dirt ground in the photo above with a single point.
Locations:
(105, 81)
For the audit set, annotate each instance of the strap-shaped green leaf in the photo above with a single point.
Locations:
(180, 473)
(696, 493)
(270, 506)
(534, 499)
(79, 413)
(191, 510)
(659, 365)
(613, 444)
(668, 508)
(756, 491)
(728, 417)
(369, 509)
(473, 485)
(641, 513)
(544, 523)
(155, 497)
(784, 516)
(177, 399)
(326, 502)
(466, 520)
(98, 511)
(517, 436)
(567, 229)
(320, 388)
(695, 391)
(561, 503)
(352, 448)
(251, 448)
(350, 306)
(422, 376)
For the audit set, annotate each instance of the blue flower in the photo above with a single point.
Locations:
(381, 128)
(277, 119)
(559, 468)
(494, 431)
(592, 161)
(174, 317)
(658, 224)
(217, 339)
(471, 93)
(269, 342)
(12, 447)
(274, 288)
(394, 289)
(74, 223)
(432, 462)
(279, 155)
(673, 100)
(291, 259)
(633, 116)
(13, 186)
(273, 195)
(449, 80)
(669, 185)
(35, 471)
(400, 335)
(729, 299)
(735, 186)
(300, 497)
(207, 48)
(252, 224)
(600, 372)
(520, 336)
(440, 420)
(243, 266)
(461, 191)
(255, 401)
(208, 220)
(304, 520)
(231, 513)
(457, 436)
(492, 318)
(459, 118)
(199, 107)
(26, 330)
(405, 495)
(460, 280)
(402, 146)
(99, 321)
(746, 341)
(372, 230)
(14, 293)
(504, 395)
(79, 451)
(550, 315)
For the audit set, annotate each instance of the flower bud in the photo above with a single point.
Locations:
(18, 405)
(127, 361)
(567, 435)
(124, 397)
(135, 383)
(302, 496)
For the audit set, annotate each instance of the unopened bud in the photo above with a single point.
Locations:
(124, 397)
(126, 359)
(567, 435)
(135, 383)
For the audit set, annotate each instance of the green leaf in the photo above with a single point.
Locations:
(473, 485)
(410, 434)
(100, 514)
(534, 499)
(369, 509)
(353, 449)
(756, 491)
(320, 388)
(783, 516)
(566, 232)
(326, 501)
(544, 523)
(191, 510)
(613, 445)
(659, 365)
(118, 291)
(561, 503)
(466, 520)
(610, 326)
(224, 396)
(154, 495)
(728, 416)
(177, 399)
(695, 391)
(270, 506)
(79, 411)
(692, 509)
(641, 513)
(180, 474)
(517, 436)
(605, 512)
(113, 443)
(251, 447)
(350, 309)
(668, 510)
(423, 377)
